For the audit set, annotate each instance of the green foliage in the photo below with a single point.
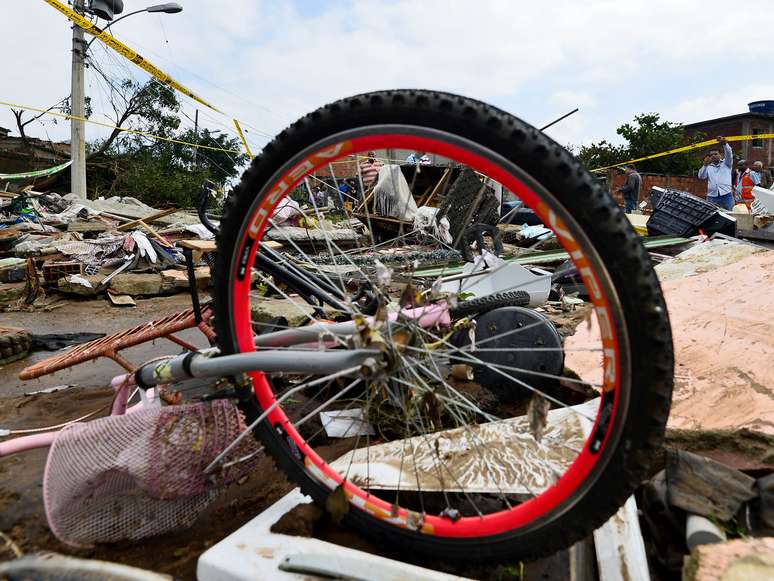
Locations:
(602, 154)
(68, 110)
(159, 172)
(646, 135)
(157, 181)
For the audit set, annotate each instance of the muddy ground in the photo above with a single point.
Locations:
(22, 516)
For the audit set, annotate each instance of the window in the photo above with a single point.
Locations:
(757, 142)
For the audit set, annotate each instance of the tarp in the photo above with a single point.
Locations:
(34, 174)
(393, 195)
(723, 342)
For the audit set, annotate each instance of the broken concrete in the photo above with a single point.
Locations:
(75, 285)
(739, 560)
(10, 292)
(296, 313)
(138, 284)
(177, 280)
(705, 257)
(128, 207)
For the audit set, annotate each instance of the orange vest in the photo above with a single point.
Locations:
(747, 185)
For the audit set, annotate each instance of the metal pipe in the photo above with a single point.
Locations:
(555, 121)
(301, 362)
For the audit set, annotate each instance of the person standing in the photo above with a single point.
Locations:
(748, 179)
(631, 188)
(717, 171)
(369, 170)
(741, 168)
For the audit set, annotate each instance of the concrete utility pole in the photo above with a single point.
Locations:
(78, 109)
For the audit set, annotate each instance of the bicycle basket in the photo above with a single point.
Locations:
(132, 476)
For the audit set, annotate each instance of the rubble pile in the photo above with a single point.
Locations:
(85, 247)
(713, 486)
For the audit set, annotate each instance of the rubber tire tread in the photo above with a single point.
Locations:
(489, 303)
(627, 262)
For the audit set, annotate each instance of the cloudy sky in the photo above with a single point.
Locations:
(267, 62)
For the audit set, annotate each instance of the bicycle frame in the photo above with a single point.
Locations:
(273, 355)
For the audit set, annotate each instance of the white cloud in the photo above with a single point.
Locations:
(728, 102)
(269, 62)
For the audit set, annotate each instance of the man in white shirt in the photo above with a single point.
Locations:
(717, 171)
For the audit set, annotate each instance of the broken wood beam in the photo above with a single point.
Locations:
(146, 219)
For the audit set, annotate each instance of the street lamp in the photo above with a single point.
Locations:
(77, 91)
(166, 8)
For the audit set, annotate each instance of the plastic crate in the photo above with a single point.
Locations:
(679, 214)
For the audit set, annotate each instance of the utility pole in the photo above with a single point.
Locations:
(78, 109)
(196, 137)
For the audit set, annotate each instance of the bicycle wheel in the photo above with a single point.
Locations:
(429, 464)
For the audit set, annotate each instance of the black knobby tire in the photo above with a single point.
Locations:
(489, 303)
(643, 408)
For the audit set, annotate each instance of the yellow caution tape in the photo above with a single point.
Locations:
(109, 126)
(126, 52)
(685, 148)
(243, 138)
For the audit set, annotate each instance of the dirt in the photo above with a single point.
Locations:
(299, 522)
(22, 514)
(94, 316)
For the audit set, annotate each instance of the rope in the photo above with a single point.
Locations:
(707, 143)
(110, 126)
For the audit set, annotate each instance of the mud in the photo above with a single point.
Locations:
(94, 316)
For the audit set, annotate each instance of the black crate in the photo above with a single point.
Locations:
(679, 214)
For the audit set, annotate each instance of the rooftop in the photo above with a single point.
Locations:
(745, 115)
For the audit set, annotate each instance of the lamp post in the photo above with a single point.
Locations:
(166, 8)
(77, 92)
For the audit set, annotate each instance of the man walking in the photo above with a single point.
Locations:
(717, 171)
(631, 189)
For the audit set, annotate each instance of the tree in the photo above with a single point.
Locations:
(61, 106)
(647, 135)
(602, 154)
(158, 171)
(152, 108)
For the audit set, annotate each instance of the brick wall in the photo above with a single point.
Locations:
(341, 169)
(690, 184)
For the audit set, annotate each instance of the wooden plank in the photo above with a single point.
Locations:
(620, 547)
(200, 245)
(155, 234)
(425, 202)
(366, 199)
(147, 219)
(705, 487)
